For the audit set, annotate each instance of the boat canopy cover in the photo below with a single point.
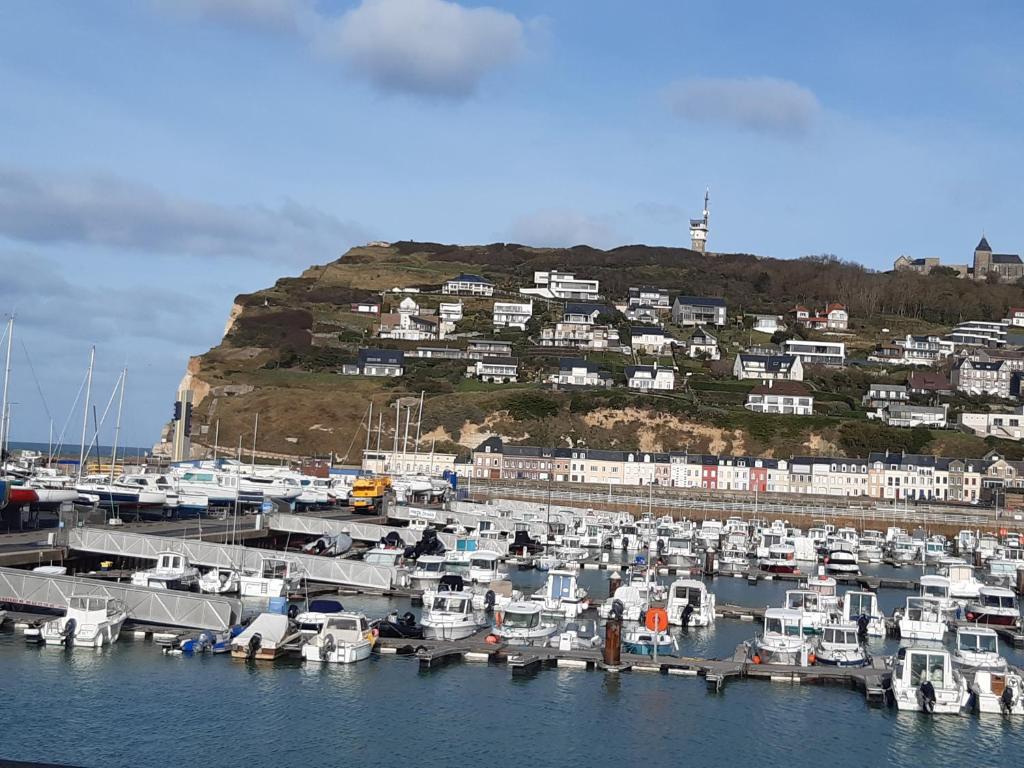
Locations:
(325, 606)
(451, 582)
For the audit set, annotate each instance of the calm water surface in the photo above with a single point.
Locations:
(132, 706)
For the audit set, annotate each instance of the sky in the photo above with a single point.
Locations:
(159, 157)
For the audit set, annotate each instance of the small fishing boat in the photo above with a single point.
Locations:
(485, 567)
(997, 693)
(562, 595)
(782, 640)
(627, 603)
(450, 616)
(220, 581)
(937, 587)
(978, 648)
(842, 560)
(641, 641)
(344, 638)
(311, 620)
(996, 606)
(922, 619)
(690, 604)
(523, 623)
(404, 627)
(427, 572)
(265, 639)
(579, 635)
(839, 646)
(781, 559)
(172, 571)
(924, 680)
(808, 603)
(862, 608)
(273, 578)
(89, 621)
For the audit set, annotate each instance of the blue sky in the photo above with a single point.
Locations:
(162, 156)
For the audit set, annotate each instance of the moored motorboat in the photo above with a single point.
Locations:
(924, 680)
(89, 621)
(996, 606)
(562, 595)
(839, 646)
(642, 641)
(172, 571)
(978, 648)
(523, 623)
(861, 609)
(922, 619)
(274, 577)
(781, 558)
(782, 640)
(690, 604)
(450, 616)
(266, 638)
(578, 635)
(344, 638)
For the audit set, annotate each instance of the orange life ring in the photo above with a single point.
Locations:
(756, 659)
(656, 620)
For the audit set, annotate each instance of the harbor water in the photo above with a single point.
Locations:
(130, 705)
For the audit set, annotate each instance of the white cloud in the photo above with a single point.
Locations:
(759, 104)
(561, 228)
(113, 212)
(428, 48)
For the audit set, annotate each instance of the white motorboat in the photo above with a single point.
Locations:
(631, 604)
(924, 680)
(172, 571)
(383, 554)
(841, 560)
(627, 537)
(864, 604)
(690, 604)
(826, 588)
(220, 581)
(450, 616)
(485, 567)
(809, 604)
(937, 587)
(523, 623)
(218, 489)
(782, 640)
(870, 546)
(996, 693)
(344, 638)
(427, 572)
(733, 560)
(641, 641)
(312, 620)
(996, 606)
(978, 648)
(934, 549)
(839, 646)
(89, 621)
(547, 562)
(265, 639)
(578, 635)
(922, 619)
(963, 586)
(781, 559)
(562, 595)
(274, 577)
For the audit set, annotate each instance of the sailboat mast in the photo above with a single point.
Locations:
(255, 431)
(216, 438)
(7, 381)
(419, 422)
(117, 426)
(85, 412)
(369, 429)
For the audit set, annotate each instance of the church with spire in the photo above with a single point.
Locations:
(699, 229)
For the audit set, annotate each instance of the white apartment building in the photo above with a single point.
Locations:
(512, 314)
(1005, 426)
(817, 352)
(554, 284)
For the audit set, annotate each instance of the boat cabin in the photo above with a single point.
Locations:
(977, 640)
(924, 609)
(836, 635)
(347, 627)
(562, 585)
(521, 615)
(783, 622)
(856, 604)
(916, 665)
(452, 602)
(935, 586)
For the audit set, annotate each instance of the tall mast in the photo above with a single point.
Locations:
(7, 379)
(216, 438)
(380, 426)
(419, 421)
(369, 428)
(394, 449)
(117, 426)
(85, 411)
(255, 431)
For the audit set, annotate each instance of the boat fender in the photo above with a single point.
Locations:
(498, 618)
(491, 639)
(927, 691)
(756, 659)
(811, 658)
(489, 599)
(293, 611)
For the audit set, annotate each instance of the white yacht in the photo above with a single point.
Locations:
(631, 604)
(172, 571)
(935, 586)
(690, 604)
(995, 605)
(809, 604)
(782, 640)
(562, 595)
(842, 560)
(922, 619)
(838, 646)
(450, 616)
(781, 559)
(485, 567)
(344, 638)
(870, 547)
(427, 572)
(273, 578)
(523, 623)
(218, 489)
(963, 586)
(89, 621)
(857, 604)
(924, 680)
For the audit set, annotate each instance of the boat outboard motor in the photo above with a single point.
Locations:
(326, 648)
(928, 698)
(618, 608)
(392, 540)
(489, 599)
(862, 629)
(1006, 700)
(408, 619)
(661, 547)
(254, 645)
(625, 543)
(293, 611)
(687, 613)
(69, 632)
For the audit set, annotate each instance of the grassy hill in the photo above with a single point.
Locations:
(285, 345)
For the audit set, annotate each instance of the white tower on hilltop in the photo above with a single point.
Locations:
(699, 228)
